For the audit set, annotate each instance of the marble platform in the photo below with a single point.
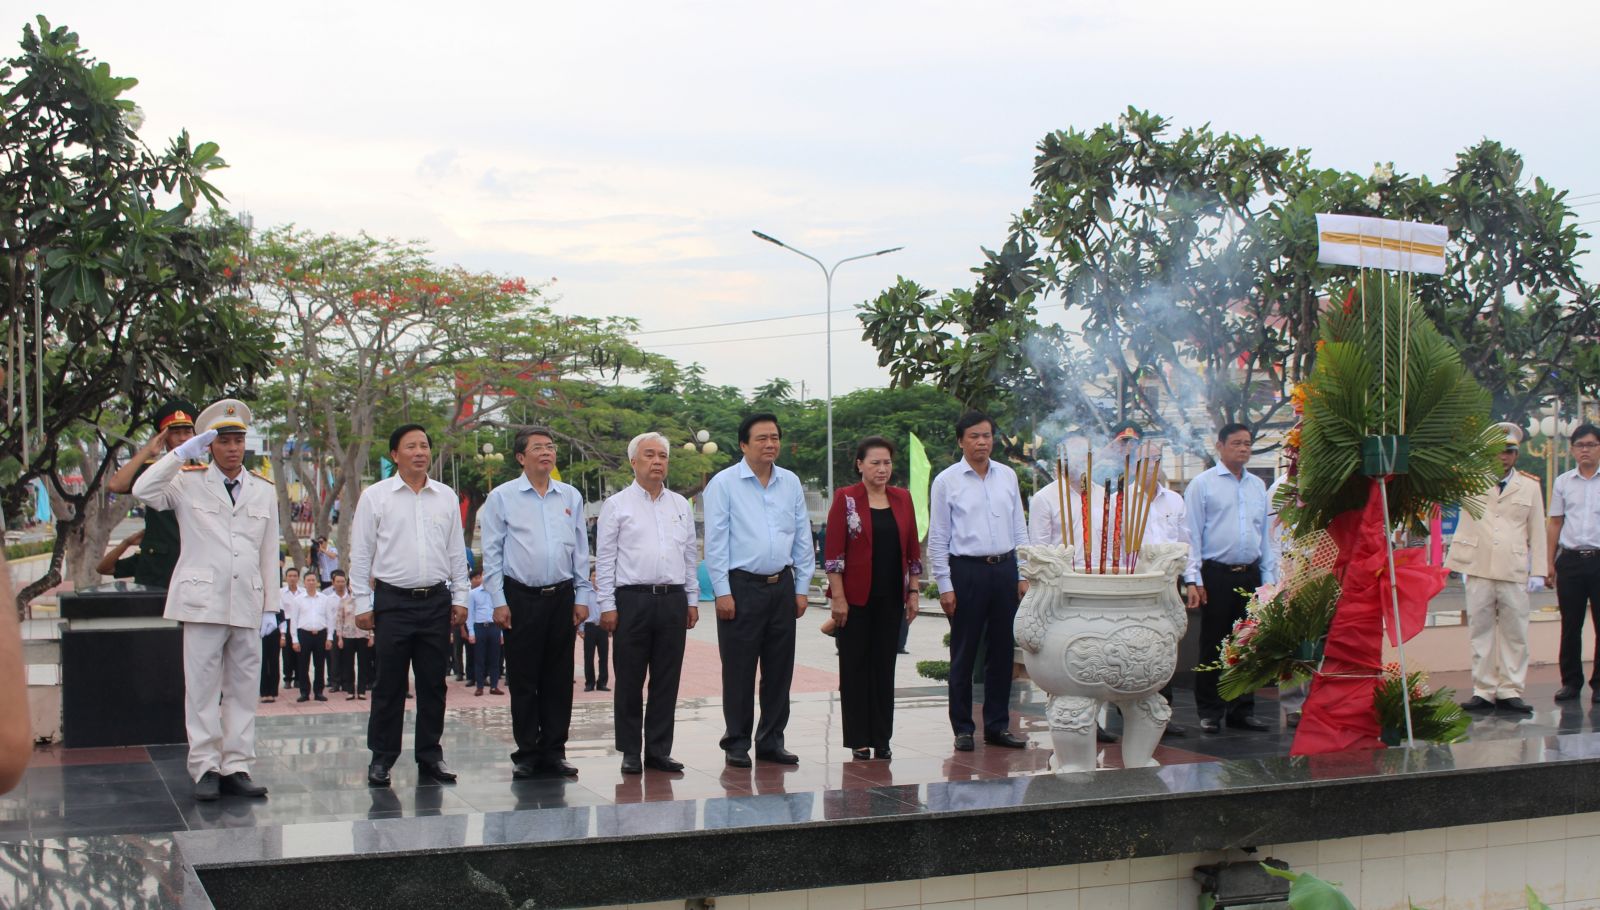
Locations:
(116, 827)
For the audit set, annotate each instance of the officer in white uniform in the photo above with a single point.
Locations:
(225, 580)
(1499, 553)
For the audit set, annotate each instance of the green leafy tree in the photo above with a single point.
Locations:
(106, 277)
(1189, 259)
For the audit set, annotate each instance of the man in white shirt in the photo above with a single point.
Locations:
(288, 595)
(221, 587)
(314, 614)
(536, 570)
(647, 589)
(1493, 552)
(1573, 547)
(408, 571)
(975, 524)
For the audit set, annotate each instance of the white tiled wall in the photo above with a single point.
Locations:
(1469, 867)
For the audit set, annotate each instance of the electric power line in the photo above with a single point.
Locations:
(718, 325)
(684, 344)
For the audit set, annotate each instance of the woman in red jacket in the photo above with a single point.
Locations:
(873, 562)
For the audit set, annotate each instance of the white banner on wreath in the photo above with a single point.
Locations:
(1381, 243)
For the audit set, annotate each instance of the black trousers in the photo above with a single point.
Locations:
(760, 634)
(269, 665)
(986, 608)
(312, 661)
(538, 649)
(336, 679)
(413, 636)
(1224, 606)
(460, 654)
(355, 665)
(289, 662)
(868, 646)
(651, 630)
(1577, 593)
(486, 655)
(596, 642)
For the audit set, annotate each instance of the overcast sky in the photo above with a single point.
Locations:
(628, 149)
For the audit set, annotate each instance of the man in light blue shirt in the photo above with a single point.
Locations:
(758, 552)
(1230, 555)
(975, 524)
(483, 637)
(536, 569)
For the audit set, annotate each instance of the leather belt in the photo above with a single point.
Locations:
(413, 593)
(988, 560)
(1229, 567)
(653, 589)
(1583, 554)
(762, 579)
(560, 587)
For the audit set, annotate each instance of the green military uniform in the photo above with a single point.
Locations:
(158, 551)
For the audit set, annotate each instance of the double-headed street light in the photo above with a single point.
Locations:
(827, 274)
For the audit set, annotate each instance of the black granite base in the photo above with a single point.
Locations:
(121, 686)
(584, 856)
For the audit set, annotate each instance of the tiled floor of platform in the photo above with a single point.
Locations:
(315, 764)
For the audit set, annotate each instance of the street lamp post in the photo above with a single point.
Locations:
(827, 275)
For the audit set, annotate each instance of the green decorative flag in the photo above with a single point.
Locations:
(919, 484)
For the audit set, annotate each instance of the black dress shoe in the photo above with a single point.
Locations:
(779, 757)
(436, 770)
(1176, 731)
(239, 784)
(1210, 725)
(377, 775)
(1477, 703)
(1514, 704)
(631, 765)
(861, 754)
(559, 766)
(208, 787)
(1567, 693)
(523, 771)
(303, 698)
(663, 763)
(882, 754)
(1005, 740)
(588, 687)
(602, 688)
(1247, 722)
(963, 742)
(320, 698)
(738, 759)
(1101, 734)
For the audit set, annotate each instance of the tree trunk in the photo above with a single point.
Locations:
(86, 540)
(280, 481)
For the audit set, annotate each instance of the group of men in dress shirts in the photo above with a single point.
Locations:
(408, 585)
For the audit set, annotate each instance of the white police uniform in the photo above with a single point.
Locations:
(225, 581)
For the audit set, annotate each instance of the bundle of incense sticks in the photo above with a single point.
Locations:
(1116, 534)
(1088, 516)
(1143, 498)
(1105, 525)
(1061, 494)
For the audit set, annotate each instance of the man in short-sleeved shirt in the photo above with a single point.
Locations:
(1573, 543)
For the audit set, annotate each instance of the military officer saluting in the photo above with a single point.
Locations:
(158, 548)
(225, 580)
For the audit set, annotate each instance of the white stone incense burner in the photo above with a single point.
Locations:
(1088, 639)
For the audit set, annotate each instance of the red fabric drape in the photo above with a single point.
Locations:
(1339, 714)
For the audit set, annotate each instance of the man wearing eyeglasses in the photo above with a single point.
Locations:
(536, 570)
(1573, 540)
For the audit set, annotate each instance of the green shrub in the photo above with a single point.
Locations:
(934, 669)
(30, 548)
